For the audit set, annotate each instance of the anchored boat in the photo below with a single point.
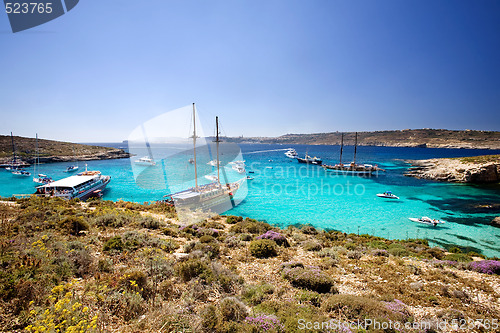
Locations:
(352, 168)
(427, 220)
(210, 196)
(85, 185)
(388, 195)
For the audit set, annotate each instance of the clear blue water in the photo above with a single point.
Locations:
(285, 192)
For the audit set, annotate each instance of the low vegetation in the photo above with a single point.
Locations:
(102, 266)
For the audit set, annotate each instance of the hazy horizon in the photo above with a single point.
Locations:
(265, 68)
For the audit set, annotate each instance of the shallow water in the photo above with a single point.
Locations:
(284, 192)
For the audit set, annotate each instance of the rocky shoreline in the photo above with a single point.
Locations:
(476, 170)
(111, 153)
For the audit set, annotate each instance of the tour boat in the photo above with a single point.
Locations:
(82, 186)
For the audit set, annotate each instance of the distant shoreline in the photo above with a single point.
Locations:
(419, 138)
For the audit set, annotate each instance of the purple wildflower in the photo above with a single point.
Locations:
(276, 237)
(486, 266)
(266, 323)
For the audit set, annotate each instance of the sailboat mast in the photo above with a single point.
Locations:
(13, 147)
(37, 161)
(194, 147)
(355, 147)
(341, 147)
(217, 145)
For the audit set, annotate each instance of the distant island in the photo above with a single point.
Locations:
(55, 151)
(425, 138)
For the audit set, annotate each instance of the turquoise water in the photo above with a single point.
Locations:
(285, 192)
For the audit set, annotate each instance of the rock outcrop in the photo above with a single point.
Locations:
(466, 170)
(496, 222)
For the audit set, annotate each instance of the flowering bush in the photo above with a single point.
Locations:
(486, 266)
(276, 237)
(266, 323)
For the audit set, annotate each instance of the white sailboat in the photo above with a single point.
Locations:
(41, 178)
(208, 196)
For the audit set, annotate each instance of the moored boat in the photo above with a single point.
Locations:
(388, 195)
(71, 168)
(427, 220)
(215, 197)
(21, 172)
(310, 160)
(352, 168)
(291, 153)
(82, 186)
(145, 161)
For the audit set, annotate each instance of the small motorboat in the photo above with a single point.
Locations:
(251, 171)
(191, 161)
(388, 195)
(249, 178)
(42, 179)
(21, 172)
(291, 153)
(212, 178)
(427, 220)
(145, 161)
(71, 168)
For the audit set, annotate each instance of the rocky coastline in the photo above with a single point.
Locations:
(475, 170)
(107, 155)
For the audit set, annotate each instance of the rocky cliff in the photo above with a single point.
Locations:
(478, 170)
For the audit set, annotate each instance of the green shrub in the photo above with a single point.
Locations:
(113, 244)
(350, 246)
(328, 252)
(255, 294)
(289, 314)
(460, 257)
(311, 297)
(207, 239)
(105, 266)
(310, 245)
(377, 244)
(190, 269)
(233, 219)
(356, 255)
(149, 222)
(399, 252)
(308, 230)
(360, 307)
(263, 248)
(73, 225)
(250, 226)
(231, 309)
(310, 278)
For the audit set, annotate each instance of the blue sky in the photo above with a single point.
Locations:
(266, 67)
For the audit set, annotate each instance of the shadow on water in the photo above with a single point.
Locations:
(471, 221)
(462, 237)
(447, 245)
(468, 204)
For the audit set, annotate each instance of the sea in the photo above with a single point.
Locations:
(284, 192)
